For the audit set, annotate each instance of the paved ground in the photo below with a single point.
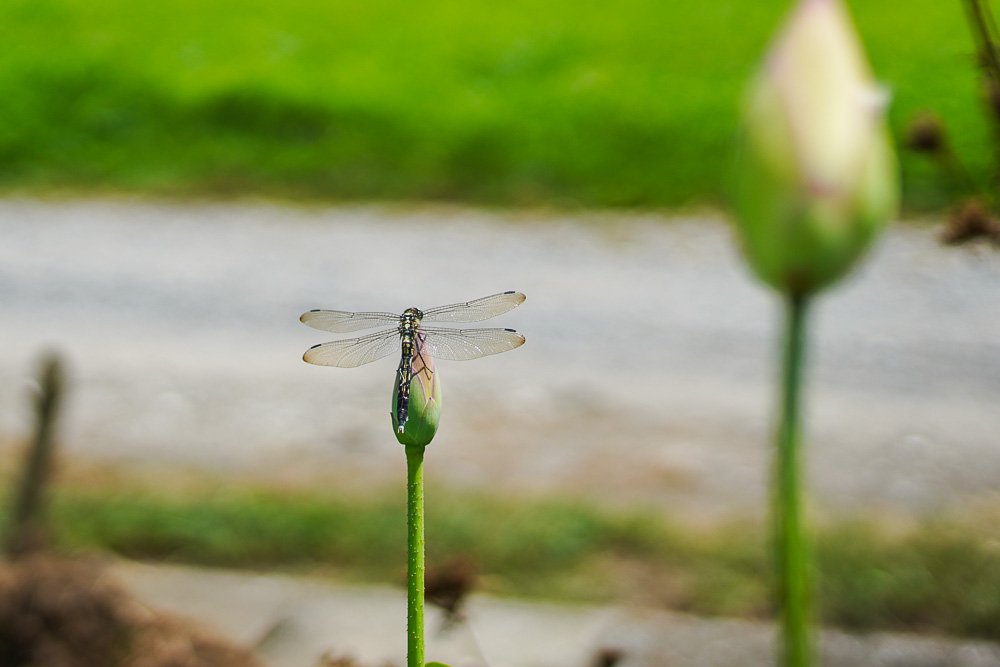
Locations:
(294, 621)
(645, 378)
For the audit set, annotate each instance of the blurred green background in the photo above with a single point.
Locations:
(518, 103)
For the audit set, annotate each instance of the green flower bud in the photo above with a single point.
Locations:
(817, 175)
(424, 411)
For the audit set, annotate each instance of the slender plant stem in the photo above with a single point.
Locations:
(415, 558)
(27, 529)
(791, 557)
(982, 21)
(984, 31)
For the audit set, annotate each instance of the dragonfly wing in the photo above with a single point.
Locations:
(353, 352)
(342, 321)
(463, 344)
(474, 311)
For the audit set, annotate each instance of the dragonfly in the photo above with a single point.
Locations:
(412, 338)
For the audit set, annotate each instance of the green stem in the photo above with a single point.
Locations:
(791, 557)
(415, 557)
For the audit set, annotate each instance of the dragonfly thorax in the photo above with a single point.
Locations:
(410, 320)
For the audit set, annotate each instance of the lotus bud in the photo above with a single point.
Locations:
(424, 411)
(816, 178)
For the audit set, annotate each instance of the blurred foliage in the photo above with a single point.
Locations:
(564, 103)
(941, 575)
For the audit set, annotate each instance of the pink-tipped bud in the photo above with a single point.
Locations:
(817, 174)
(424, 409)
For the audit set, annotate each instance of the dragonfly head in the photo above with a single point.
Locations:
(414, 314)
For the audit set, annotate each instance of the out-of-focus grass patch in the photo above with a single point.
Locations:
(567, 103)
(940, 575)
(943, 576)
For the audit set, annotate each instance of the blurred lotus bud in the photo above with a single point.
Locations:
(971, 222)
(425, 400)
(925, 133)
(817, 178)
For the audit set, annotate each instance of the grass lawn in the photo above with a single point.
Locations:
(938, 575)
(559, 103)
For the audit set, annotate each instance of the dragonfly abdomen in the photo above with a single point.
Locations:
(408, 326)
(405, 372)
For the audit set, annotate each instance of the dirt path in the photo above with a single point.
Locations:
(644, 378)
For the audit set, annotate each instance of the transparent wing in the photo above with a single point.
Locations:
(342, 321)
(353, 352)
(474, 311)
(463, 344)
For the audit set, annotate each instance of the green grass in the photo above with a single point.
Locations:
(941, 576)
(560, 103)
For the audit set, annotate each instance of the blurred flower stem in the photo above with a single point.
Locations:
(816, 184)
(791, 557)
(415, 556)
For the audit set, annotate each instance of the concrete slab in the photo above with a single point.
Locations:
(293, 621)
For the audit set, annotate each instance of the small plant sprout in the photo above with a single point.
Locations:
(416, 398)
(817, 181)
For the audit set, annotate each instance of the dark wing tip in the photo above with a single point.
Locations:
(305, 355)
(304, 317)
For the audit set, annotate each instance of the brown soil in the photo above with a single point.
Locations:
(63, 613)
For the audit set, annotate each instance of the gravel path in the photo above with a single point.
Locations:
(645, 377)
